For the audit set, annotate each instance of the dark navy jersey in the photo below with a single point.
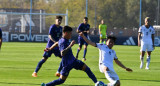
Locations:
(0, 33)
(84, 27)
(68, 58)
(56, 34)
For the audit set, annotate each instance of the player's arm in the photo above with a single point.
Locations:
(53, 46)
(139, 36)
(88, 41)
(50, 37)
(99, 29)
(63, 52)
(0, 39)
(121, 65)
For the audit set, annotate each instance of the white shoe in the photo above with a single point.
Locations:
(147, 68)
(141, 65)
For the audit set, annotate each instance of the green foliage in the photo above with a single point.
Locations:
(116, 13)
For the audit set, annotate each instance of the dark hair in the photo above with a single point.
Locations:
(58, 17)
(112, 37)
(85, 17)
(67, 29)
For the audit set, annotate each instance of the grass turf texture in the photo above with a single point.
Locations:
(18, 60)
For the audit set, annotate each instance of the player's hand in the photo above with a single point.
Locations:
(72, 43)
(81, 34)
(128, 69)
(47, 49)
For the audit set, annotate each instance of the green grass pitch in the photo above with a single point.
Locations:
(19, 59)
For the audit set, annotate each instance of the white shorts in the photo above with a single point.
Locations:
(110, 75)
(146, 47)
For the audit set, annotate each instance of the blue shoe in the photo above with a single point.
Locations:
(43, 84)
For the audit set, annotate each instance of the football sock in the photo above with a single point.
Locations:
(141, 59)
(148, 61)
(60, 67)
(90, 74)
(77, 53)
(85, 51)
(39, 65)
(55, 82)
(100, 41)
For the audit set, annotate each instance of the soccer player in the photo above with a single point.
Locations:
(55, 33)
(106, 57)
(146, 41)
(83, 27)
(0, 38)
(102, 32)
(68, 60)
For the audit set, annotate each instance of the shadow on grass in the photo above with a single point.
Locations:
(11, 83)
(142, 80)
(19, 83)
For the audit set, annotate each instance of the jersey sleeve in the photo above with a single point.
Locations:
(51, 29)
(140, 30)
(80, 28)
(153, 31)
(99, 45)
(61, 45)
(115, 56)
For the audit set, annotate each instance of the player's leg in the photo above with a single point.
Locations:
(100, 39)
(39, 65)
(143, 49)
(148, 59)
(85, 51)
(59, 70)
(64, 74)
(81, 66)
(79, 48)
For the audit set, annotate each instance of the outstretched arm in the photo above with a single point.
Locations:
(88, 41)
(0, 43)
(53, 46)
(121, 65)
(68, 48)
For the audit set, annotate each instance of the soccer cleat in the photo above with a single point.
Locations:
(57, 74)
(43, 84)
(84, 59)
(141, 65)
(147, 68)
(34, 74)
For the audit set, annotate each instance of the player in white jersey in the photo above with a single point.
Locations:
(106, 57)
(146, 41)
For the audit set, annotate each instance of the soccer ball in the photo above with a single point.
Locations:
(99, 83)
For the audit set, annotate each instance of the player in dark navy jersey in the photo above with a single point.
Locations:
(83, 27)
(68, 60)
(0, 38)
(55, 33)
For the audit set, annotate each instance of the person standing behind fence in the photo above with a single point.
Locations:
(0, 38)
(102, 32)
(146, 41)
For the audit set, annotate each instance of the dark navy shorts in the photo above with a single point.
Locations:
(77, 64)
(56, 52)
(82, 42)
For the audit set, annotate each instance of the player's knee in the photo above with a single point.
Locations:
(87, 69)
(117, 83)
(61, 81)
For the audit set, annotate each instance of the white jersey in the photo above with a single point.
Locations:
(106, 56)
(146, 34)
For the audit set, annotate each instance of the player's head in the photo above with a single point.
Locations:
(147, 21)
(110, 41)
(85, 20)
(58, 20)
(67, 32)
(102, 21)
